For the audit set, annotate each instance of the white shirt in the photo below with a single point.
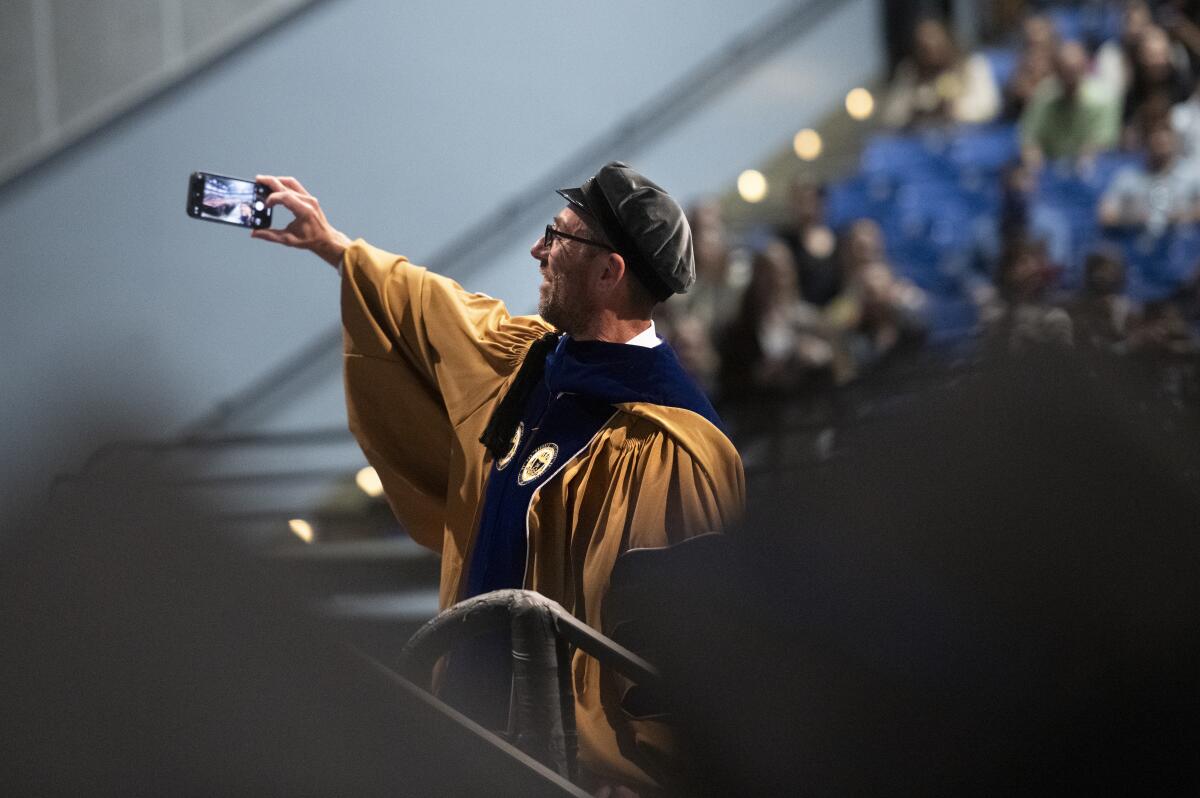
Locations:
(647, 338)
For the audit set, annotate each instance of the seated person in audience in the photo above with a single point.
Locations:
(1103, 315)
(877, 313)
(1032, 69)
(1021, 215)
(1185, 119)
(778, 343)
(1163, 193)
(713, 298)
(813, 243)
(1039, 43)
(1023, 318)
(1039, 33)
(1158, 79)
(1181, 19)
(693, 345)
(1070, 116)
(1164, 332)
(861, 243)
(882, 315)
(1114, 58)
(939, 85)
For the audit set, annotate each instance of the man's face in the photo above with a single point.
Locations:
(1071, 66)
(568, 267)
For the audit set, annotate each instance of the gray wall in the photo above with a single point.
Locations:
(408, 122)
(67, 66)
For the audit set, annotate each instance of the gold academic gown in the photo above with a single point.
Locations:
(426, 362)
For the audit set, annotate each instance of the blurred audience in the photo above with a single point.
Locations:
(1020, 217)
(1164, 331)
(778, 343)
(688, 321)
(1115, 58)
(1185, 118)
(1039, 42)
(939, 84)
(1160, 79)
(877, 313)
(819, 305)
(713, 298)
(813, 243)
(693, 345)
(1070, 116)
(1032, 69)
(1102, 316)
(1163, 193)
(1181, 19)
(1023, 318)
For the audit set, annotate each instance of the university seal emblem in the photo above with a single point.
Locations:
(537, 464)
(512, 451)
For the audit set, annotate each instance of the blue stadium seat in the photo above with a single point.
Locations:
(1157, 265)
(1088, 23)
(1070, 23)
(859, 197)
(986, 148)
(908, 156)
(1003, 61)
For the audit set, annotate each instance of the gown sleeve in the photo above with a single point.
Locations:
(421, 356)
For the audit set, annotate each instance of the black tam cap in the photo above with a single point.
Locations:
(645, 225)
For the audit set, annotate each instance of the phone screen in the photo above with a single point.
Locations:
(230, 200)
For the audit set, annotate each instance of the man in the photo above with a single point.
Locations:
(1158, 196)
(596, 442)
(1070, 116)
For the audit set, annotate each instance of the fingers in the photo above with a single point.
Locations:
(294, 184)
(280, 183)
(277, 237)
(298, 204)
(270, 181)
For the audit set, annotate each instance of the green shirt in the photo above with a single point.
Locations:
(1063, 127)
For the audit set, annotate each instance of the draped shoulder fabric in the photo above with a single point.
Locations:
(426, 362)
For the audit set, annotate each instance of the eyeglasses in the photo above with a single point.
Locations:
(552, 232)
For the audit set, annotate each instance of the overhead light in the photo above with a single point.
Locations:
(368, 481)
(752, 185)
(301, 529)
(860, 104)
(807, 144)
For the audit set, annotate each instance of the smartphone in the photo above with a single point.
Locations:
(230, 200)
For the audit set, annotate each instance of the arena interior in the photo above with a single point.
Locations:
(946, 303)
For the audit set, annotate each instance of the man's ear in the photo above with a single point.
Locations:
(613, 272)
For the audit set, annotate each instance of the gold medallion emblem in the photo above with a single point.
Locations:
(537, 463)
(516, 442)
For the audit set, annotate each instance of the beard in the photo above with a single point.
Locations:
(558, 307)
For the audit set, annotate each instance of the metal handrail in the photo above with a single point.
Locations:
(542, 709)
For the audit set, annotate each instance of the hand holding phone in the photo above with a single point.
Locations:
(229, 200)
(310, 229)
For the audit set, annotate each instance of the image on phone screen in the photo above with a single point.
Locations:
(228, 199)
